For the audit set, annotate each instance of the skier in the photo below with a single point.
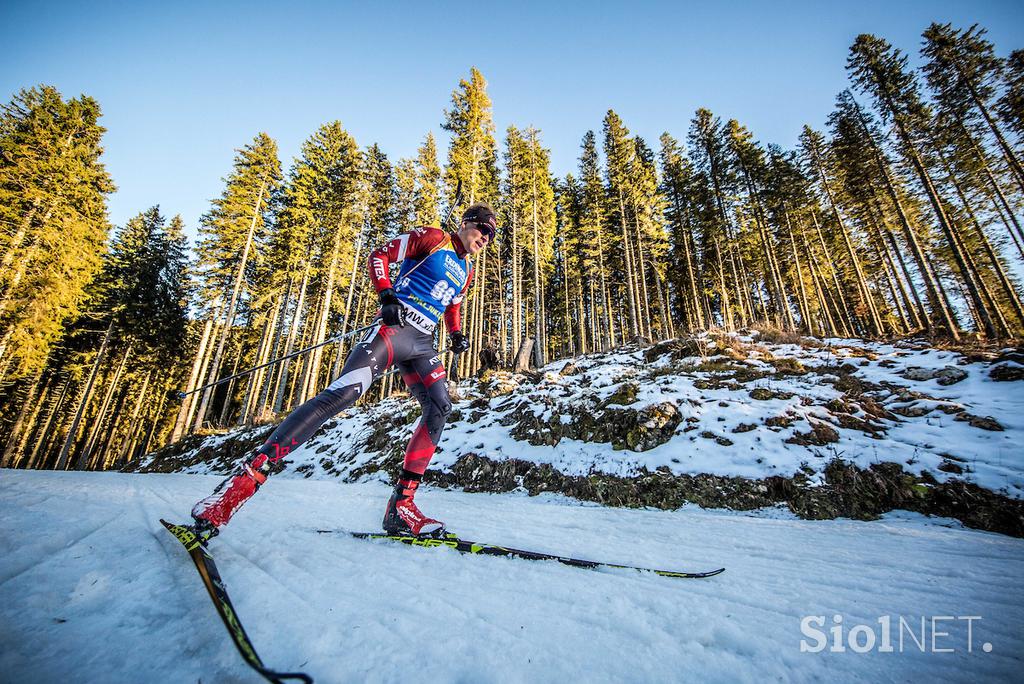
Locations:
(434, 276)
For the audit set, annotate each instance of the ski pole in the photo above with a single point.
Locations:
(455, 203)
(337, 338)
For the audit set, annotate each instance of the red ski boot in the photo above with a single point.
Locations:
(403, 517)
(216, 510)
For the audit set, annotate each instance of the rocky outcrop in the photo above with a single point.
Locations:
(845, 492)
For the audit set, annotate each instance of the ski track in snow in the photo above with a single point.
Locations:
(93, 589)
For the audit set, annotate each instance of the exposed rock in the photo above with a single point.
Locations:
(820, 434)
(570, 369)
(764, 394)
(744, 427)
(846, 369)
(538, 432)
(779, 421)
(1007, 372)
(634, 429)
(950, 467)
(981, 422)
(678, 349)
(876, 410)
(912, 410)
(845, 420)
(496, 383)
(950, 375)
(917, 373)
(724, 441)
(624, 395)
(847, 491)
(788, 366)
(748, 374)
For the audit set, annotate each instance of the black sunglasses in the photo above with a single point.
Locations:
(485, 229)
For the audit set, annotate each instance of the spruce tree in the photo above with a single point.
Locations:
(881, 70)
(472, 160)
(677, 178)
(428, 177)
(232, 233)
(472, 152)
(963, 72)
(597, 241)
(53, 191)
(1011, 105)
(619, 153)
(716, 185)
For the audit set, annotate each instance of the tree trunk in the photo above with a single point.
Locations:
(522, 362)
(1008, 153)
(133, 433)
(805, 309)
(325, 312)
(23, 425)
(628, 266)
(62, 459)
(997, 266)
(282, 381)
(947, 226)
(84, 459)
(39, 445)
(726, 307)
(538, 317)
(230, 318)
(826, 306)
(186, 404)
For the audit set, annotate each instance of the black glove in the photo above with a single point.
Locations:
(457, 342)
(391, 310)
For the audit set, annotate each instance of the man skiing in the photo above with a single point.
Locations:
(434, 276)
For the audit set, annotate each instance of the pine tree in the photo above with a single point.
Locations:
(963, 72)
(541, 221)
(881, 70)
(648, 208)
(472, 153)
(140, 299)
(683, 273)
(428, 178)
(619, 155)
(233, 231)
(752, 169)
(597, 241)
(717, 182)
(53, 205)
(472, 159)
(1011, 104)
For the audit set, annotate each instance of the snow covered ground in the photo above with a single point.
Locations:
(93, 589)
(725, 430)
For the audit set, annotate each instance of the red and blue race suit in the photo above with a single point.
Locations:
(432, 280)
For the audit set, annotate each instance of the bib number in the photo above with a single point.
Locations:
(443, 292)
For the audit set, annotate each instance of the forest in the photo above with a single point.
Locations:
(900, 218)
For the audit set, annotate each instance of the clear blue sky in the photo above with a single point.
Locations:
(183, 84)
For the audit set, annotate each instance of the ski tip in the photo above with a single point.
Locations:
(689, 575)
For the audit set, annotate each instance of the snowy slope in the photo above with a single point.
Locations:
(724, 429)
(93, 589)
